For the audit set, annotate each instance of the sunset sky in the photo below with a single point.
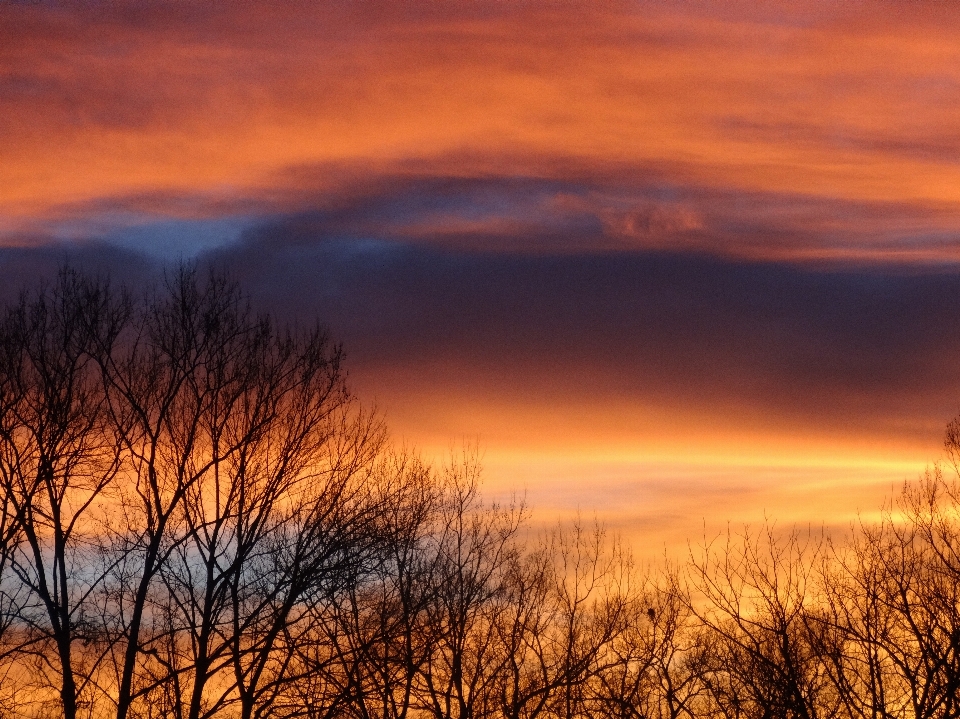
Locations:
(669, 263)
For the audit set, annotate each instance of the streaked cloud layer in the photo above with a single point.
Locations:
(177, 108)
(641, 241)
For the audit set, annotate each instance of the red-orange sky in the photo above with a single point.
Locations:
(672, 262)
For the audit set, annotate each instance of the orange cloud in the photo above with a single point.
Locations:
(854, 105)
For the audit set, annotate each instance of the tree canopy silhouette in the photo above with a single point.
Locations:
(198, 520)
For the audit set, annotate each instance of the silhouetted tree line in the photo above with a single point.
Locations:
(198, 520)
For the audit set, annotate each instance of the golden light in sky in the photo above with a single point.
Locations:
(686, 261)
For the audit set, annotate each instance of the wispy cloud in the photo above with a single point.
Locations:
(848, 106)
(566, 210)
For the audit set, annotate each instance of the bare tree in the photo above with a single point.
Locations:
(247, 494)
(571, 600)
(660, 657)
(12, 592)
(319, 548)
(891, 619)
(930, 604)
(752, 597)
(366, 649)
(475, 545)
(58, 461)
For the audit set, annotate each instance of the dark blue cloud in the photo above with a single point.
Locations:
(575, 210)
(831, 346)
(873, 347)
(607, 286)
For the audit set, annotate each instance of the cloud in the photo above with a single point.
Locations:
(628, 208)
(521, 209)
(659, 334)
(762, 347)
(654, 387)
(855, 104)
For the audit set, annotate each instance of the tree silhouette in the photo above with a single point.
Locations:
(59, 459)
(198, 520)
